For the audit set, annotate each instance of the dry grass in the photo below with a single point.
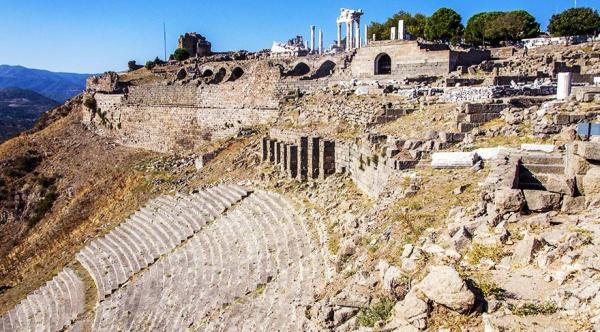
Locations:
(439, 117)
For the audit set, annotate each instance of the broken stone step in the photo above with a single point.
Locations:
(544, 169)
(542, 159)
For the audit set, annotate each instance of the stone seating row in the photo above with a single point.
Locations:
(259, 242)
(52, 307)
(151, 232)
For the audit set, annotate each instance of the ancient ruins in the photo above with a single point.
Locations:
(510, 139)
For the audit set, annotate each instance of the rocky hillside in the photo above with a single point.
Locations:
(56, 86)
(20, 109)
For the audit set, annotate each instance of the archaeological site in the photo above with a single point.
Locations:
(380, 183)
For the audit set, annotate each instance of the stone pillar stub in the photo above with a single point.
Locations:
(563, 90)
(303, 158)
(292, 161)
(265, 149)
(393, 33)
(272, 151)
(313, 157)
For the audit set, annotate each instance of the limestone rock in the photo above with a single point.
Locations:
(509, 200)
(414, 310)
(588, 150)
(573, 205)
(591, 182)
(542, 201)
(525, 250)
(444, 286)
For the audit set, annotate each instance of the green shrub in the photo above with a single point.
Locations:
(150, 64)
(380, 311)
(529, 309)
(181, 54)
(44, 205)
(132, 65)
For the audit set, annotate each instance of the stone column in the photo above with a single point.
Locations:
(339, 34)
(563, 90)
(401, 30)
(366, 35)
(265, 149)
(349, 36)
(312, 38)
(284, 164)
(278, 146)
(272, 151)
(374, 37)
(357, 34)
(292, 161)
(313, 157)
(302, 158)
(320, 41)
(393, 33)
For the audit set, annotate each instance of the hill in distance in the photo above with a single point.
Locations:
(20, 109)
(56, 86)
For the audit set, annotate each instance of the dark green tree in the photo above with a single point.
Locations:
(476, 28)
(181, 54)
(494, 27)
(414, 25)
(444, 25)
(575, 21)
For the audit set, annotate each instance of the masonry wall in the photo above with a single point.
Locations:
(408, 59)
(176, 118)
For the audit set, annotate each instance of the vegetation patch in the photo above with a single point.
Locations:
(479, 252)
(531, 308)
(380, 311)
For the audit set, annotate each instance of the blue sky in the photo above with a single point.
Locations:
(97, 35)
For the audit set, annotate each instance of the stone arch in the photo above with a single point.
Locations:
(236, 73)
(219, 76)
(326, 68)
(207, 72)
(383, 64)
(299, 69)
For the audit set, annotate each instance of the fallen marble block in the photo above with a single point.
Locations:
(538, 147)
(454, 159)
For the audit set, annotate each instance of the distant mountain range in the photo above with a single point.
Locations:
(20, 109)
(56, 86)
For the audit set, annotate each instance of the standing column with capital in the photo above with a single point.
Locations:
(339, 34)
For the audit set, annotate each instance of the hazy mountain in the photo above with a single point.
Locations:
(56, 86)
(19, 110)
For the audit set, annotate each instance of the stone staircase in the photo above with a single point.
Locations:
(536, 170)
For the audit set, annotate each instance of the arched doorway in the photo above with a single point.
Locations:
(219, 76)
(383, 64)
(300, 69)
(207, 73)
(325, 69)
(236, 73)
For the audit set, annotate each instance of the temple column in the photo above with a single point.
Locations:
(366, 35)
(339, 34)
(358, 44)
(312, 38)
(320, 41)
(349, 36)
(401, 30)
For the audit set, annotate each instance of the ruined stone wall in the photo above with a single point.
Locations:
(175, 118)
(408, 59)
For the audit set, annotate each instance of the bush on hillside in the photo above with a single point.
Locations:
(181, 54)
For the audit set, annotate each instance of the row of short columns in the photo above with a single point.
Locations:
(308, 158)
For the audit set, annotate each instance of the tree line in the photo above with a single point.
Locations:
(488, 28)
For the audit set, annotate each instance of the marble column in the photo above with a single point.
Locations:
(366, 35)
(312, 38)
(339, 34)
(349, 35)
(563, 90)
(320, 41)
(401, 30)
(357, 44)
(393, 33)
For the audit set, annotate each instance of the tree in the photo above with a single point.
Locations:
(181, 54)
(444, 25)
(476, 28)
(493, 27)
(575, 21)
(414, 25)
(132, 65)
(149, 65)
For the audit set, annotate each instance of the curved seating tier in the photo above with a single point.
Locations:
(255, 266)
(52, 307)
(151, 232)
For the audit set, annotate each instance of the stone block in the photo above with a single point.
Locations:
(525, 250)
(573, 205)
(591, 182)
(542, 201)
(466, 127)
(453, 159)
(548, 148)
(559, 183)
(588, 150)
(482, 117)
(575, 164)
(444, 286)
(509, 200)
